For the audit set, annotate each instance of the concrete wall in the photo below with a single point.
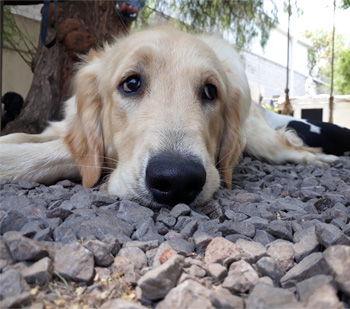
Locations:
(341, 110)
(16, 74)
(269, 78)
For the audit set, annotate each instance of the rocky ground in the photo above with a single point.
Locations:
(279, 239)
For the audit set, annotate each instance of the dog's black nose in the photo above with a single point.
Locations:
(174, 179)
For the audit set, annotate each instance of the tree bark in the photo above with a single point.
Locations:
(81, 25)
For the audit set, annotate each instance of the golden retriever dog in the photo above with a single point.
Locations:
(167, 113)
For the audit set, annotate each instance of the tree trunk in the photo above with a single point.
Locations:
(81, 26)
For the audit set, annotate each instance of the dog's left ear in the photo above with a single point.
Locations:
(231, 142)
(235, 111)
(85, 136)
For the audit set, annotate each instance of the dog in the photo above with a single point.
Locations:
(332, 139)
(167, 113)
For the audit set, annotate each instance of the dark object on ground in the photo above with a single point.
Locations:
(13, 103)
(331, 138)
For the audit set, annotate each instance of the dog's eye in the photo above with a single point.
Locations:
(132, 84)
(209, 92)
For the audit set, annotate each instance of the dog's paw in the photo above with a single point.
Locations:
(323, 159)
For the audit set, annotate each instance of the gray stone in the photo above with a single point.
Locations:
(156, 283)
(64, 235)
(280, 229)
(329, 234)
(220, 249)
(168, 220)
(196, 271)
(39, 273)
(12, 284)
(307, 287)
(18, 301)
(259, 223)
(133, 213)
(263, 237)
(217, 271)
(22, 248)
(164, 246)
(172, 235)
(74, 262)
(135, 255)
(181, 223)
(213, 210)
(27, 185)
(231, 215)
(210, 227)
(230, 227)
(96, 227)
(338, 257)
(283, 253)
(309, 182)
(14, 202)
(82, 199)
(241, 277)
(102, 273)
(188, 294)
(306, 195)
(31, 228)
(162, 229)
(265, 296)
(181, 245)
(343, 282)
(43, 235)
(59, 212)
(222, 298)
(252, 251)
(305, 243)
(201, 240)
(246, 198)
(12, 221)
(239, 217)
(180, 210)
(276, 189)
(267, 266)
(235, 237)
(102, 255)
(324, 297)
(248, 209)
(147, 231)
(121, 304)
(125, 269)
(143, 245)
(112, 243)
(312, 265)
(189, 228)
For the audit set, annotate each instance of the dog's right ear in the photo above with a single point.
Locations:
(85, 136)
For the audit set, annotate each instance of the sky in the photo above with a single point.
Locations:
(317, 14)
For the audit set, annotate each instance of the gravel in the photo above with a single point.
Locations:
(279, 239)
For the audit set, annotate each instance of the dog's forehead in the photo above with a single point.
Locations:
(169, 45)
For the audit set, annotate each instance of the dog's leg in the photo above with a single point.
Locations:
(45, 162)
(279, 146)
(54, 131)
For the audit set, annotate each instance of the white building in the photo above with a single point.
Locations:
(267, 68)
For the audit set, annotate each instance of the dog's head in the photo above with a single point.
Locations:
(163, 109)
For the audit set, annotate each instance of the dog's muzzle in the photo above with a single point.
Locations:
(174, 179)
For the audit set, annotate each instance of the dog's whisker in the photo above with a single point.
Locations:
(224, 157)
(104, 157)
